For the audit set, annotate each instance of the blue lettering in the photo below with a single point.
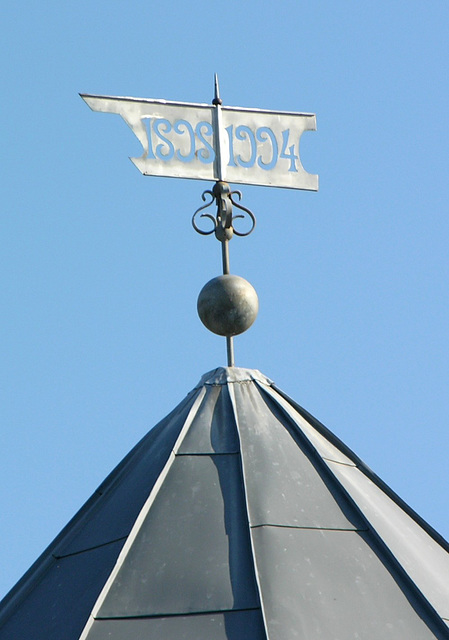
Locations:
(291, 155)
(230, 132)
(179, 124)
(150, 153)
(166, 126)
(207, 154)
(241, 133)
(263, 134)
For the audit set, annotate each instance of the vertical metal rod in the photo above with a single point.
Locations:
(230, 350)
(219, 167)
(229, 339)
(225, 256)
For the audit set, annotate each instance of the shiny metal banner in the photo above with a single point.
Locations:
(214, 142)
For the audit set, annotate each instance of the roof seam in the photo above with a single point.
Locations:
(178, 615)
(226, 382)
(97, 546)
(345, 464)
(289, 526)
(212, 454)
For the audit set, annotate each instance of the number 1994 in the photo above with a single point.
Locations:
(247, 147)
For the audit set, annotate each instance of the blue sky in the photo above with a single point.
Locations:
(101, 268)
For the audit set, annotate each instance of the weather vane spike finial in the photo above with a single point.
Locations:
(217, 99)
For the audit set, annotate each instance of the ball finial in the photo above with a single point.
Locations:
(228, 305)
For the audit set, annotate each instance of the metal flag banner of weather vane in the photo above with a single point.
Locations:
(214, 142)
(224, 144)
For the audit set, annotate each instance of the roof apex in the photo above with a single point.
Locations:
(223, 375)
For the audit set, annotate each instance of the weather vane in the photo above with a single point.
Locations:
(224, 144)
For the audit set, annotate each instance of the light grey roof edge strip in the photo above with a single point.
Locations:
(345, 502)
(411, 591)
(324, 431)
(198, 399)
(343, 464)
(253, 550)
(115, 474)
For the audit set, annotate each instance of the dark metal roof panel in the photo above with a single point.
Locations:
(191, 552)
(213, 428)
(324, 447)
(425, 562)
(61, 596)
(284, 486)
(330, 584)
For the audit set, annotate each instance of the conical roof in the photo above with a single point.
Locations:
(238, 517)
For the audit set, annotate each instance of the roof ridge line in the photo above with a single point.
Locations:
(142, 515)
(411, 591)
(245, 495)
(364, 468)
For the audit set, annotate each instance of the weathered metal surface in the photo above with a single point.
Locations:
(191, 552)
(330, 584)
(213, 142)
(284, 487)
(223, 375)
(326, 449)
(213, 429)
(232, 625)
(228, 305)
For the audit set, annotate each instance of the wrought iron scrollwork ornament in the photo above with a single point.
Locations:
(223, 226)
